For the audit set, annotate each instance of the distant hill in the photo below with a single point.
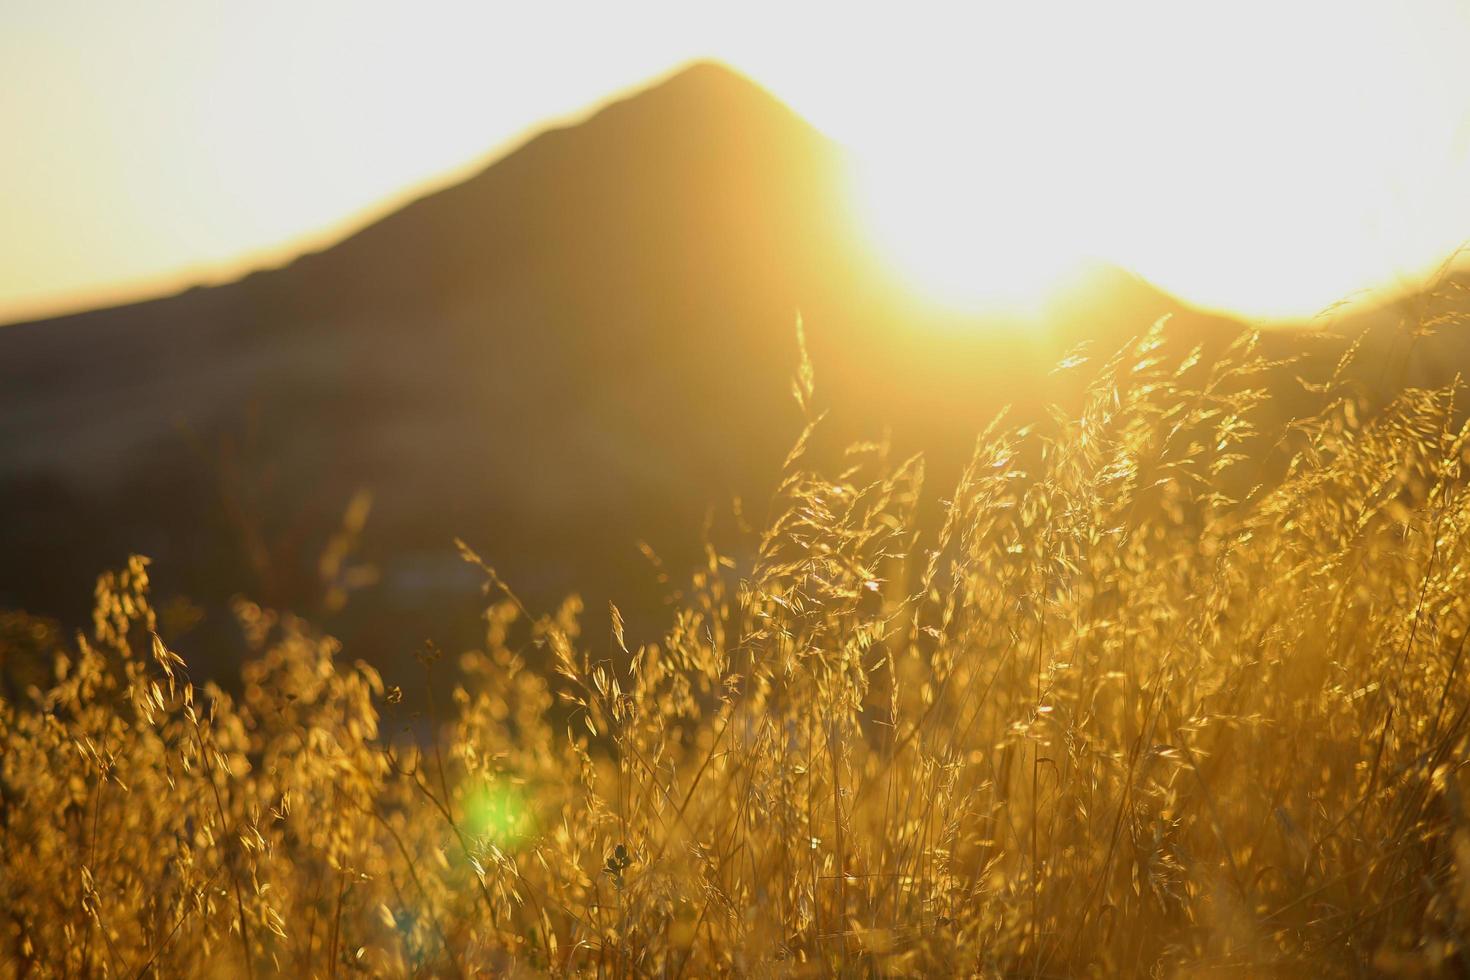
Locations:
(588, 344)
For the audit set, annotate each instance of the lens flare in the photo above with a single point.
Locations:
(496, 809)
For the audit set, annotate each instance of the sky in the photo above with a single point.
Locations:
(1265, 158)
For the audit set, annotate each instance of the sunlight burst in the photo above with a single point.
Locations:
(969, 239)
(1265, 160)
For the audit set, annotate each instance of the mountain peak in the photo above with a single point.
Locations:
(680, 160)
(707, 76)
(571, 350)
(712, 91)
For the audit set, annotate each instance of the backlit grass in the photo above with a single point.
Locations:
(1177, 687)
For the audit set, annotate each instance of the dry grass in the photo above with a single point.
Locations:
(1177, 689)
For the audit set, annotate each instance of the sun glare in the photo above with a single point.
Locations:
(1263, 159)
(968, 240)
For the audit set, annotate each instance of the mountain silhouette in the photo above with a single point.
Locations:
(586, 345)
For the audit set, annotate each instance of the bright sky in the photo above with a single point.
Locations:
(1263, 157)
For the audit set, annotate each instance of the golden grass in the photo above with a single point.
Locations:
(1177, 689)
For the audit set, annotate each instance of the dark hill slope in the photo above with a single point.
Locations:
(583, 346)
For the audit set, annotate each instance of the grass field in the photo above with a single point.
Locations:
(1176, 688)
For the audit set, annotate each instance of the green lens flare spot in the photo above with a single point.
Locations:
(496, 809)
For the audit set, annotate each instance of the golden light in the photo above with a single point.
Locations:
(1263, 157)
(968, 240)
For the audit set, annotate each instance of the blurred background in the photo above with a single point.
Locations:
(299, 293)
